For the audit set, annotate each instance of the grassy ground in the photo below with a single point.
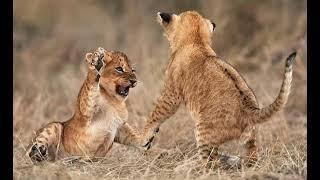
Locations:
(52, 37)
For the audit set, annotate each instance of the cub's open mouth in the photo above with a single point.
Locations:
(122, 90)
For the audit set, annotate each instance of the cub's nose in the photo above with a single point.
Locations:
(133, 82)
(166, 17)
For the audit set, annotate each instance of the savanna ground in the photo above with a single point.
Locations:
(50, 40)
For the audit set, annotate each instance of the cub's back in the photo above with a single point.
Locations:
(210, 83)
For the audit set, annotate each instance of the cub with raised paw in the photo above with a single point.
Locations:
(100, 113)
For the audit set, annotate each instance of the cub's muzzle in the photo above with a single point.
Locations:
(133, 82)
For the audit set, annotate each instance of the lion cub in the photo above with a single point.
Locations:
(100, 113)
(218, 98)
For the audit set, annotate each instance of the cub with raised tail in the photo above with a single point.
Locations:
(220, 101)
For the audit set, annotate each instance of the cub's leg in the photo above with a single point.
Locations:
(207, 147)
(166, 105)
(208, 153)
(209, 137)
(105, 147)
(249, 142)
(46, 137)
(126, 135)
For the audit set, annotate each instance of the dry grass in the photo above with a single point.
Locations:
(51, 38)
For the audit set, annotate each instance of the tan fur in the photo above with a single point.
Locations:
(218, 98)
(100, 113)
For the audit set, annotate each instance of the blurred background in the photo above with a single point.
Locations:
(50, 39)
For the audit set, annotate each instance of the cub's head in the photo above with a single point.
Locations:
(116, 75)
(187, 27)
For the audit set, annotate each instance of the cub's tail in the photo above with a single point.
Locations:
(263, 114)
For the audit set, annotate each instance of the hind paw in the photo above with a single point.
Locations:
(231, 161)
(38, 152)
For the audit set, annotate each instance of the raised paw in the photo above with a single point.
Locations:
(38, 152)
(95, 60)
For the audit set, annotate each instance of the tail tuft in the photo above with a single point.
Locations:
(291, 58)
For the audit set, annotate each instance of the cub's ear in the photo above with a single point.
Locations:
(213, 25)
(165, 17)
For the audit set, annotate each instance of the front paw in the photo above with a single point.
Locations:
(38, 152)
(95, 60)
(148, 138)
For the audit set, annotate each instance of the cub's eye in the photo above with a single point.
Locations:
(119, 70)
(133, 70)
